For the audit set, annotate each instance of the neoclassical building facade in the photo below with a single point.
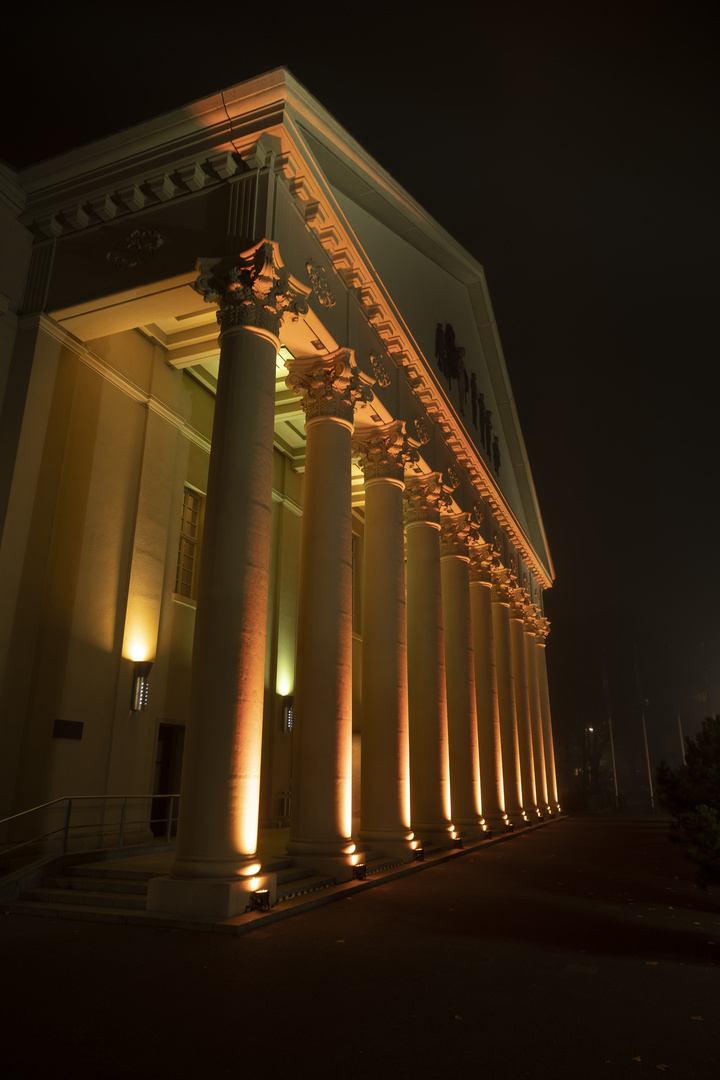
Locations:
(269, 532)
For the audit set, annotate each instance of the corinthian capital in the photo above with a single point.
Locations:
(252, 289)
(425, 497)
(384, 451)
(501, 584)
(457, 532)
(481, 562)
(329, 386)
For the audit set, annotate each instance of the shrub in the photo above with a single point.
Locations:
(691, 793)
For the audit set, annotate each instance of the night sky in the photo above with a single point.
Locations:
(574, 150)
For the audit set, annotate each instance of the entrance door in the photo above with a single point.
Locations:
(168, 769)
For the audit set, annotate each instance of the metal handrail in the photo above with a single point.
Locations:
(66, 827)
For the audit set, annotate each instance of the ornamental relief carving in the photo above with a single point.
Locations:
(501, 585)
(481, 562)
(379, 371)
(421, 432)
(329, 386)
(319, 284)
(425, 498)
(456, 535)
(137, 247)
(384, 451)
(254, 289)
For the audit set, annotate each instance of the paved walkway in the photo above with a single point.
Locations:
(579, 950)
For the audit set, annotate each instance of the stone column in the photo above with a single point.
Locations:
(486, 693)
(460, 675)
(385, 767)
(535, 713)
(522, 704)
(217, 832)
(321, 814)
(429, 760)
(541, 635)
(506, 699)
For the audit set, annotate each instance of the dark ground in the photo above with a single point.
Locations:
(580, 950)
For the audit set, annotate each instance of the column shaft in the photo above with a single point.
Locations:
(321, 819)
(385, 767)
(488, 713)
(217, 831)
(461, 709)
(522, 713)
(508, 722)
(536, 723)
(429, 761)
(547, 728)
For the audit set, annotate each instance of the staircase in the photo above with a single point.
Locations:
(95, 892)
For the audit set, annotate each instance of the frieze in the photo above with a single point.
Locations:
(329, 386)
(254, 289)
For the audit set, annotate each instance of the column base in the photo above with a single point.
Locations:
(340, 867)
(517, 818)
(215, 899)
(388, 842)
(498, 824)
(438, 835)
(471, 830)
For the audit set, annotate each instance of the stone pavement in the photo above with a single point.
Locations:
(579, 950)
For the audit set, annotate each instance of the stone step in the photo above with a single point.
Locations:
(96, 884)
(75, 898)
(377, 866)
(97, 870)
(290, 873)
(68, 911)
(301, 886)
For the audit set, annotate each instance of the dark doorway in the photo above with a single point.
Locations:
(168, 769)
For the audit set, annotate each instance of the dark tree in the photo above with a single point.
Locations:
(691, 793)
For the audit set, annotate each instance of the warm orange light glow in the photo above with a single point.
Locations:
(249, 871)
(137, 650)
(284, 683)
(141, 622)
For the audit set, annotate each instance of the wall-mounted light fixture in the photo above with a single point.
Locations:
(288, 712)
(140, 685)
